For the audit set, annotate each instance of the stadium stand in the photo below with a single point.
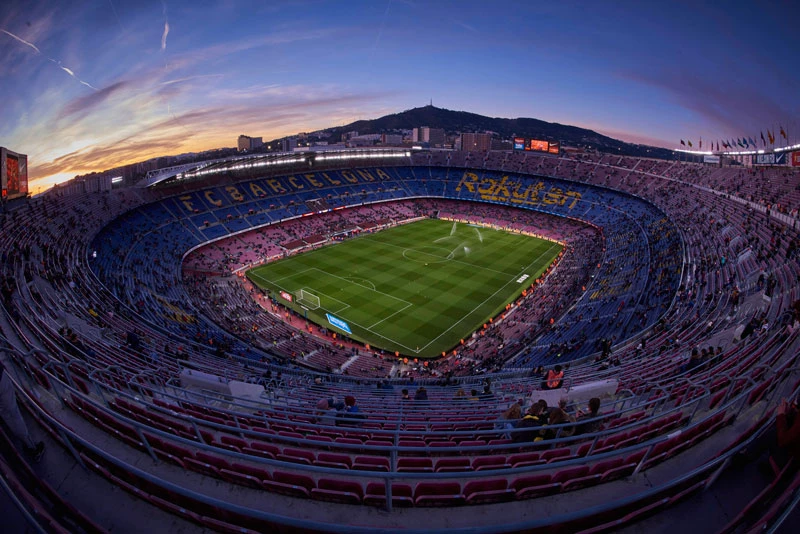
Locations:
(150, 367)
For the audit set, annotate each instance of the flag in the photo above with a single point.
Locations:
(771, 137)
(690, 143)
(682, 143)
(739, 142)
(753, 143)
(783, 133)
(717, 146)
(763, 140)
(701, 143)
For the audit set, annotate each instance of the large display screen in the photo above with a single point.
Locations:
(13, 174)
(536, 145)
(539, 146)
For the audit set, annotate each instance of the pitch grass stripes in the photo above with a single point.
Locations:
(417, 289)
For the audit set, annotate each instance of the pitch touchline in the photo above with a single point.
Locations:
(487, 298)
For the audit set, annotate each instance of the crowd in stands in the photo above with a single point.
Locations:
(666, 274)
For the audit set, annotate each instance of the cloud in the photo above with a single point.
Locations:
(89, 102)
(21, 40)
(164, 36)
(198, 128)
(54, 61)
(166, 26)
(190, 78)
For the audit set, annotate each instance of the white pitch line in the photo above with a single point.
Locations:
(288, 275)
(389, 317)
(367, 329)
(361, 285)
(513, 279)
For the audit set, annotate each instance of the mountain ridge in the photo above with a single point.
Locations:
(464, 121)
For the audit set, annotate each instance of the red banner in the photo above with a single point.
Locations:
(796, 159)
(286, 296)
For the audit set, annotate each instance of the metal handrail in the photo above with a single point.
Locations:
(69, 435)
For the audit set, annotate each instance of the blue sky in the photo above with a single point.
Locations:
(91, 84)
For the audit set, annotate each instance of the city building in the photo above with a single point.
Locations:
(433, 136)
(472, 141)
(247, 143)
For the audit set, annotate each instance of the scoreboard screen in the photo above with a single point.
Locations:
(539, 146)
(536, 145)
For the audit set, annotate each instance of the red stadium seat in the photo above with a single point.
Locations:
(290, 484)
(331, 459)
(371, 463)
(530, 486)
(414, 465)
(342, 491)
(481, 463)
(375, 494)
(488, 491)
(438, 494)
(453, 465)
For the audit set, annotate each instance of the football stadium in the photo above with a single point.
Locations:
(399, 267)
(284, 343)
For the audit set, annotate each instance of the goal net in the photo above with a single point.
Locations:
(308, 299)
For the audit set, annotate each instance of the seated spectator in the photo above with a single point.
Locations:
(460, 394)
(325, 412)
(351, 415)
(531, 423)
(695, 360)
(473, 396)
(557, 417)
(509, 418)
(350, 404)
(421, 394)
(544, 410)
(588, 420)
(405, 395)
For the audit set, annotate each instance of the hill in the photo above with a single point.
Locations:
(463, 121)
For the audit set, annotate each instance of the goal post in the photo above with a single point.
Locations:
(308, 299)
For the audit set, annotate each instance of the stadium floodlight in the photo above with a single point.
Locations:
(308, 299)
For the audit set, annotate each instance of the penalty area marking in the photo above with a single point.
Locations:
(356, 280)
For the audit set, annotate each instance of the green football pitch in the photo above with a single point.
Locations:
(417, 288)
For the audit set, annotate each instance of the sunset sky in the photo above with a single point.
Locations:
(92, 84)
